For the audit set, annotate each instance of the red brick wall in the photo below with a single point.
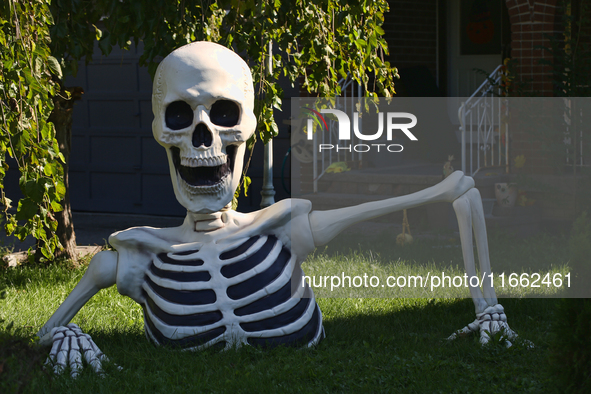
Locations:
(410, 29)
(531, 24)
(531, 21)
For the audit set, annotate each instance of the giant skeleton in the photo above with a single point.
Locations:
(225, 278)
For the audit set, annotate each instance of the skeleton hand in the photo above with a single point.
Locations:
(489, 322)
(69, 344)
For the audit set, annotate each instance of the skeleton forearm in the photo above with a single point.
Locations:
(326, 225)
(100, 274)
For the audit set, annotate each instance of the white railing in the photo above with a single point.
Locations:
(574, 135)
(346, 102)
(483, 127)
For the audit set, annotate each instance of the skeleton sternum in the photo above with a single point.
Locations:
(199, 298)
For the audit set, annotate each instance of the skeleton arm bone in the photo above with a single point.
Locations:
(326, 225)
(467, 203)
(101, 273)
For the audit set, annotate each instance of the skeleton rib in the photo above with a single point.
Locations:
(176, 268)
(172, 337)
(276, 317)
(283, 280)
(175, 285)
(284, 328)
(180, 260)
(180, 276)
(269, 256)
(175, 308)
(260, 280)
(308, 335)
(249, 260)
(177, 332)
(268, 301)
(237, 250)
(196, 297)
(185, 320)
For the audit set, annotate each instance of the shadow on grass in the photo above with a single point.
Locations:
(372, 344)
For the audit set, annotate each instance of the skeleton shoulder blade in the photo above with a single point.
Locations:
(288, 219)
(134, 248)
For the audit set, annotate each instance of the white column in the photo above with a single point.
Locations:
(268, 191)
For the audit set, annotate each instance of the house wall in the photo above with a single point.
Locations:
(532, 23)
(411, 31)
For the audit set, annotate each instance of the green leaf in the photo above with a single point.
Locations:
(60, 189)
(34, 190)
(246, 181)
(27, 209)
(54, 66)
(56, 207)
(10, 227)
(98, 32)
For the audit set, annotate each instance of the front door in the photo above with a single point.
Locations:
(478, 32)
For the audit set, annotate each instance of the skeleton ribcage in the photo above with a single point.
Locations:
(200, 298)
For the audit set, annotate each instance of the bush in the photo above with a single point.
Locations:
(570, 358)
(580, 255)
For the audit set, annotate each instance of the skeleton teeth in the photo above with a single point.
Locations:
(213, 189)
(204, 162)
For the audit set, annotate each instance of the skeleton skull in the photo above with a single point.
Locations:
(203, 102)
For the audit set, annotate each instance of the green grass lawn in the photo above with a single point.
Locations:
(372, 344)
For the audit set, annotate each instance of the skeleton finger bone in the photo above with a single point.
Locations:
(69, 346)
(75, 358)
(488, 323)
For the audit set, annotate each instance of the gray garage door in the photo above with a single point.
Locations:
(116, 166)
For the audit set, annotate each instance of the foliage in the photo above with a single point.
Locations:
(323, 41)
(26, 136)
(570, 348)
(569, 64)
(571, 343)
(579, 251)
(320, 41)
(571, 51)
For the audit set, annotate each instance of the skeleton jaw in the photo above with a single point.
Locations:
(207, 175)
(214, 189)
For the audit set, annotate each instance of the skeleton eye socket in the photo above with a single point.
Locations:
(178, 115)
(224, 113)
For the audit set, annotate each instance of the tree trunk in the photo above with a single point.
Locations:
(61, 117)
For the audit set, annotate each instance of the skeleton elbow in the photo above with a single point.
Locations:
(102, 270)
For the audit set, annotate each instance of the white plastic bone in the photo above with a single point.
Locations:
(69, 345)
(201, 74)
